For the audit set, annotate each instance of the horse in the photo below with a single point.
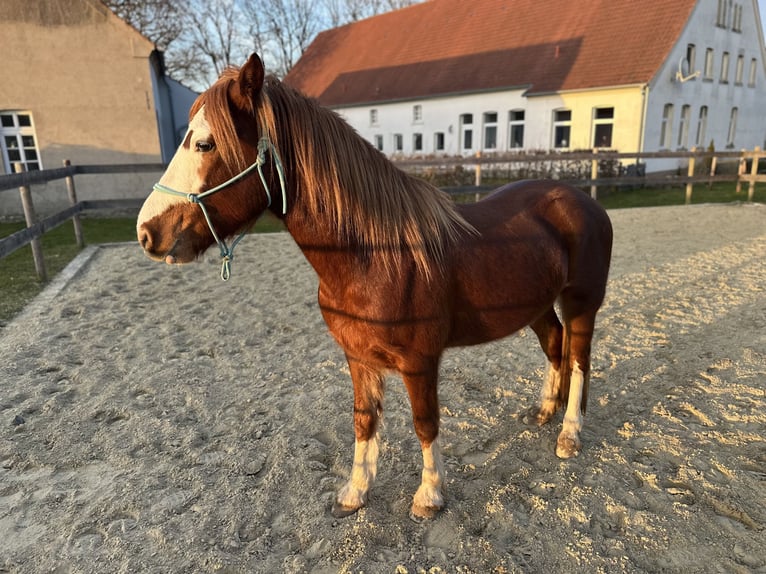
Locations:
(404, 272)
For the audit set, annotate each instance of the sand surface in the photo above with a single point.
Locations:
(154, 419)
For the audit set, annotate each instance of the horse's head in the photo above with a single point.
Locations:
(210, 190)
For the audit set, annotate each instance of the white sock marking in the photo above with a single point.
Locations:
(354, 492)
(429, 492)
(573, 416)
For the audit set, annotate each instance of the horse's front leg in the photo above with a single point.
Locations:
(368, 406)
(421, 383)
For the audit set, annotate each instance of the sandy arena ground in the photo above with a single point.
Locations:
(154, 419)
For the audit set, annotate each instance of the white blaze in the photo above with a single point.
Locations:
(183, 172)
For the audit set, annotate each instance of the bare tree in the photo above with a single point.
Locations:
(284, 28)
(201, 38)
(158, 20)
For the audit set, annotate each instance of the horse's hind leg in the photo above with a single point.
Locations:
(368, 405)
(421, 382)
(579, 325)
(550, 334)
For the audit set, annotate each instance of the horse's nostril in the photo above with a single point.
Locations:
(144, 239)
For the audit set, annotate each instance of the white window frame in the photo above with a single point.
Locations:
(564, 124)
(753, 73)
(732, 132)
(466, 129)
(516, 119)
(439, 141)
(398, 143)
(378, 142)
(417, 142)
(417, 114)
(709, 64)
(374, 117)
(701, 127)
(724, 79)
(666, 129)
(489, 124)
(739, 70)
(604, 121)
(25, 146)
(683, 126)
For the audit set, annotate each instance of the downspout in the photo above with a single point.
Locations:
(642, 125)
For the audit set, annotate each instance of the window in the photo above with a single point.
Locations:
(417, 113)
(439, 141)
(417, 142)
(736, 24)
(753, 72)
(398, 142)
(683, 127)
(701, 127)
(466, 128)
(18, 142)
(691, 57)
(490, 130)
(666, 130)
(603, 124)
(516, 129)
(739, 71)
(562, 126)
(379, 142)
(373, 117)
(720, 19)
(732, 128)
(709, 62)
(725, 68)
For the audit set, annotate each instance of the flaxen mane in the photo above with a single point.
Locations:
(338, 174)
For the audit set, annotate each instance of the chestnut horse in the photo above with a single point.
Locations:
(403, 271)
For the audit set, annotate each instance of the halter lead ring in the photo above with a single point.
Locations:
(227, 253)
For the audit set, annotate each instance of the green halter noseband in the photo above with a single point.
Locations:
(227, 253)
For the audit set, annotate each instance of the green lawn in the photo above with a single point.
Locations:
(19, 283)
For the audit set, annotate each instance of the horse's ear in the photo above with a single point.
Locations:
(251, 78)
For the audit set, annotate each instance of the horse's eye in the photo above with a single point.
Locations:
(204, 146)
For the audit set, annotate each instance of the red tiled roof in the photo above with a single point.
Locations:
(454, 46)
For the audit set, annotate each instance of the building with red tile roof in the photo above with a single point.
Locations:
(450, 76)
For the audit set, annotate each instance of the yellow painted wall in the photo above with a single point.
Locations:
(628, 107)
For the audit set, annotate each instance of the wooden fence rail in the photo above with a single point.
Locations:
(35, 229)
(481, 163)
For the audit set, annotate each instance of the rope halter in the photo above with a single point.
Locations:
(227, 253)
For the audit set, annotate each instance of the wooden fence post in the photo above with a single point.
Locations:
(31, 219)
(594, 174)
(741, 171)
(753, 174)
(713, 167)
(73, 201)
(690, 173)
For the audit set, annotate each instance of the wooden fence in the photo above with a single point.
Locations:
(482, 163)
(35, 229)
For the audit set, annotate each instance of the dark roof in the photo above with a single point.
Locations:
(442, 47)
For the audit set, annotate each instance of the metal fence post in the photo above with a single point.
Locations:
(73, 201)
(31, 219)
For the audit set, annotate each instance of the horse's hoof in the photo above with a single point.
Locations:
(568, 446)
(420, 514)
(534, 416)
(341, 511)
